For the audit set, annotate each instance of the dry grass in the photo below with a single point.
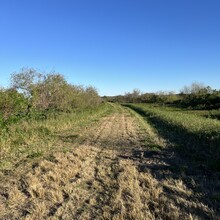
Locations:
(104, 179)
(39, 192)
(35, 138)
(87, 183)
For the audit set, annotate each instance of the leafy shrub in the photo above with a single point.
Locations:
(12, 103)
(35, 95)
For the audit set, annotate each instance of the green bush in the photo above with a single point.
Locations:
(12, 103)
(36, 95)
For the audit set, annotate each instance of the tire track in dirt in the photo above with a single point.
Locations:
(95, 135)
(101, 179)
(117, 130)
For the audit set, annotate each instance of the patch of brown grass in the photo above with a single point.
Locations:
(94, 181)
(42, 190)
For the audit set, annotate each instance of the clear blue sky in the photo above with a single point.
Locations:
(114, 45)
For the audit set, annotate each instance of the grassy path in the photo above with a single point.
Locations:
(121, 169)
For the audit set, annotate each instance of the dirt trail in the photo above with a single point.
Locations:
(111, 176)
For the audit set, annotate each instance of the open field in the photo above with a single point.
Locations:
(109, 163)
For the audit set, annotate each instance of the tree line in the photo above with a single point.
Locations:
(33, 92)
(195, 96)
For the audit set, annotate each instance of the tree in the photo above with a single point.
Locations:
(52, 91)
(25, 80)
(194, 88)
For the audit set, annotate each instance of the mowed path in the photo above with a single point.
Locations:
(117, 173)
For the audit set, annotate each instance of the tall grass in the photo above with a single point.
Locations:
(31, 138)
(198, 136)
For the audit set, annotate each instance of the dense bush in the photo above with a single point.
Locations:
(33, 92)
(195, 96)
(201, 100)
(12, 103)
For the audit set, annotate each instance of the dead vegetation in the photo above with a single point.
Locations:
(122, 171)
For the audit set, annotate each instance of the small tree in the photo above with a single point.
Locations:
(25, 80)
(51, 91)
(194, 88)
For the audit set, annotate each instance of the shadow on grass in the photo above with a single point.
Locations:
(183, 162)
(68, 138)
(201, 149)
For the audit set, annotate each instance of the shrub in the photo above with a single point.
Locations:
(37, 94)
(12, 103)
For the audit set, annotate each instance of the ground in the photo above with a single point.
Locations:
(122, 169)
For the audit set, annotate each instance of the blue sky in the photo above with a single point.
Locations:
(114, 45)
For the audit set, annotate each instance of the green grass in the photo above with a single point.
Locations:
(196, 135)
(212, 114)
(35, 138)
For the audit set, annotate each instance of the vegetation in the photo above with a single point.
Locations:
(33, 93)
(195, 96)
(12, 105)
(33, 138)
(123, 169)
(64, 153)
(199, 137)
(44, 105)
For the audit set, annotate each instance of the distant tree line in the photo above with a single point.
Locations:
(195, 96)
(33, 92)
